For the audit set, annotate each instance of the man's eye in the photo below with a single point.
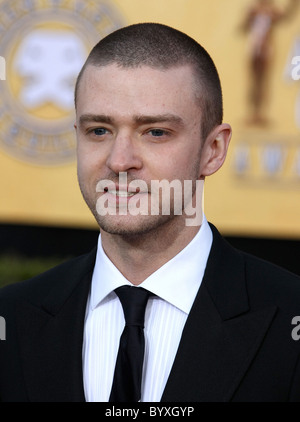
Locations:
(157, 132)
(99, 131)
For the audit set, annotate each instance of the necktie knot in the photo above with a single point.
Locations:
(134, 301)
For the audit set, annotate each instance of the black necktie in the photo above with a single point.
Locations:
(128, 371)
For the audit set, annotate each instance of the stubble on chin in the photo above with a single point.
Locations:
(134, 226)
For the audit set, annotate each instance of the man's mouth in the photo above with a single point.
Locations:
(121, 193)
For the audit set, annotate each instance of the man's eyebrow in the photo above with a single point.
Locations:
(138, 119)
(98, 118)
(159, 118)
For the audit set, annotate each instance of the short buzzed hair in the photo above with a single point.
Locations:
(162, 47)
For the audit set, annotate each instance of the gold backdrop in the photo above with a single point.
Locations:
(44, 43)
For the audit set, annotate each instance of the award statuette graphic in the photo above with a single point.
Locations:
(45, 45)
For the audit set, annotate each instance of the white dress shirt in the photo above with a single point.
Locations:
(175, 285)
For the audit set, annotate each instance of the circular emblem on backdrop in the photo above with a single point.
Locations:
(44, 44)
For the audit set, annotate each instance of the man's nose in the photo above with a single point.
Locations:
(124, 154)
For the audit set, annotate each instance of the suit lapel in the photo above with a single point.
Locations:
(221, 335)
(51, 335)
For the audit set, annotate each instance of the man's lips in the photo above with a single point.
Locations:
(121, 194)
(122, 191)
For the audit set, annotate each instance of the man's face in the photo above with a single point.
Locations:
(144, 123)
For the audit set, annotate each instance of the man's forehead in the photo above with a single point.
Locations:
(143, 83)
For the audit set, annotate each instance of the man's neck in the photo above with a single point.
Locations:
(137, 257)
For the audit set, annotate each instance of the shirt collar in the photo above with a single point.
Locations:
(177, 281)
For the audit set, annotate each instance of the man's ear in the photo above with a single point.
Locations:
(214, 150)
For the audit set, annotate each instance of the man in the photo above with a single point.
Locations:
(219, 324)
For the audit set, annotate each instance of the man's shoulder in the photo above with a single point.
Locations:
(264, 280)
(268, 278)
(58, 276)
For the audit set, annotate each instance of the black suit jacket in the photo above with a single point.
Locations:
(236, 344)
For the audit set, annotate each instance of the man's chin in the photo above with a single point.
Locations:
(132, 226)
